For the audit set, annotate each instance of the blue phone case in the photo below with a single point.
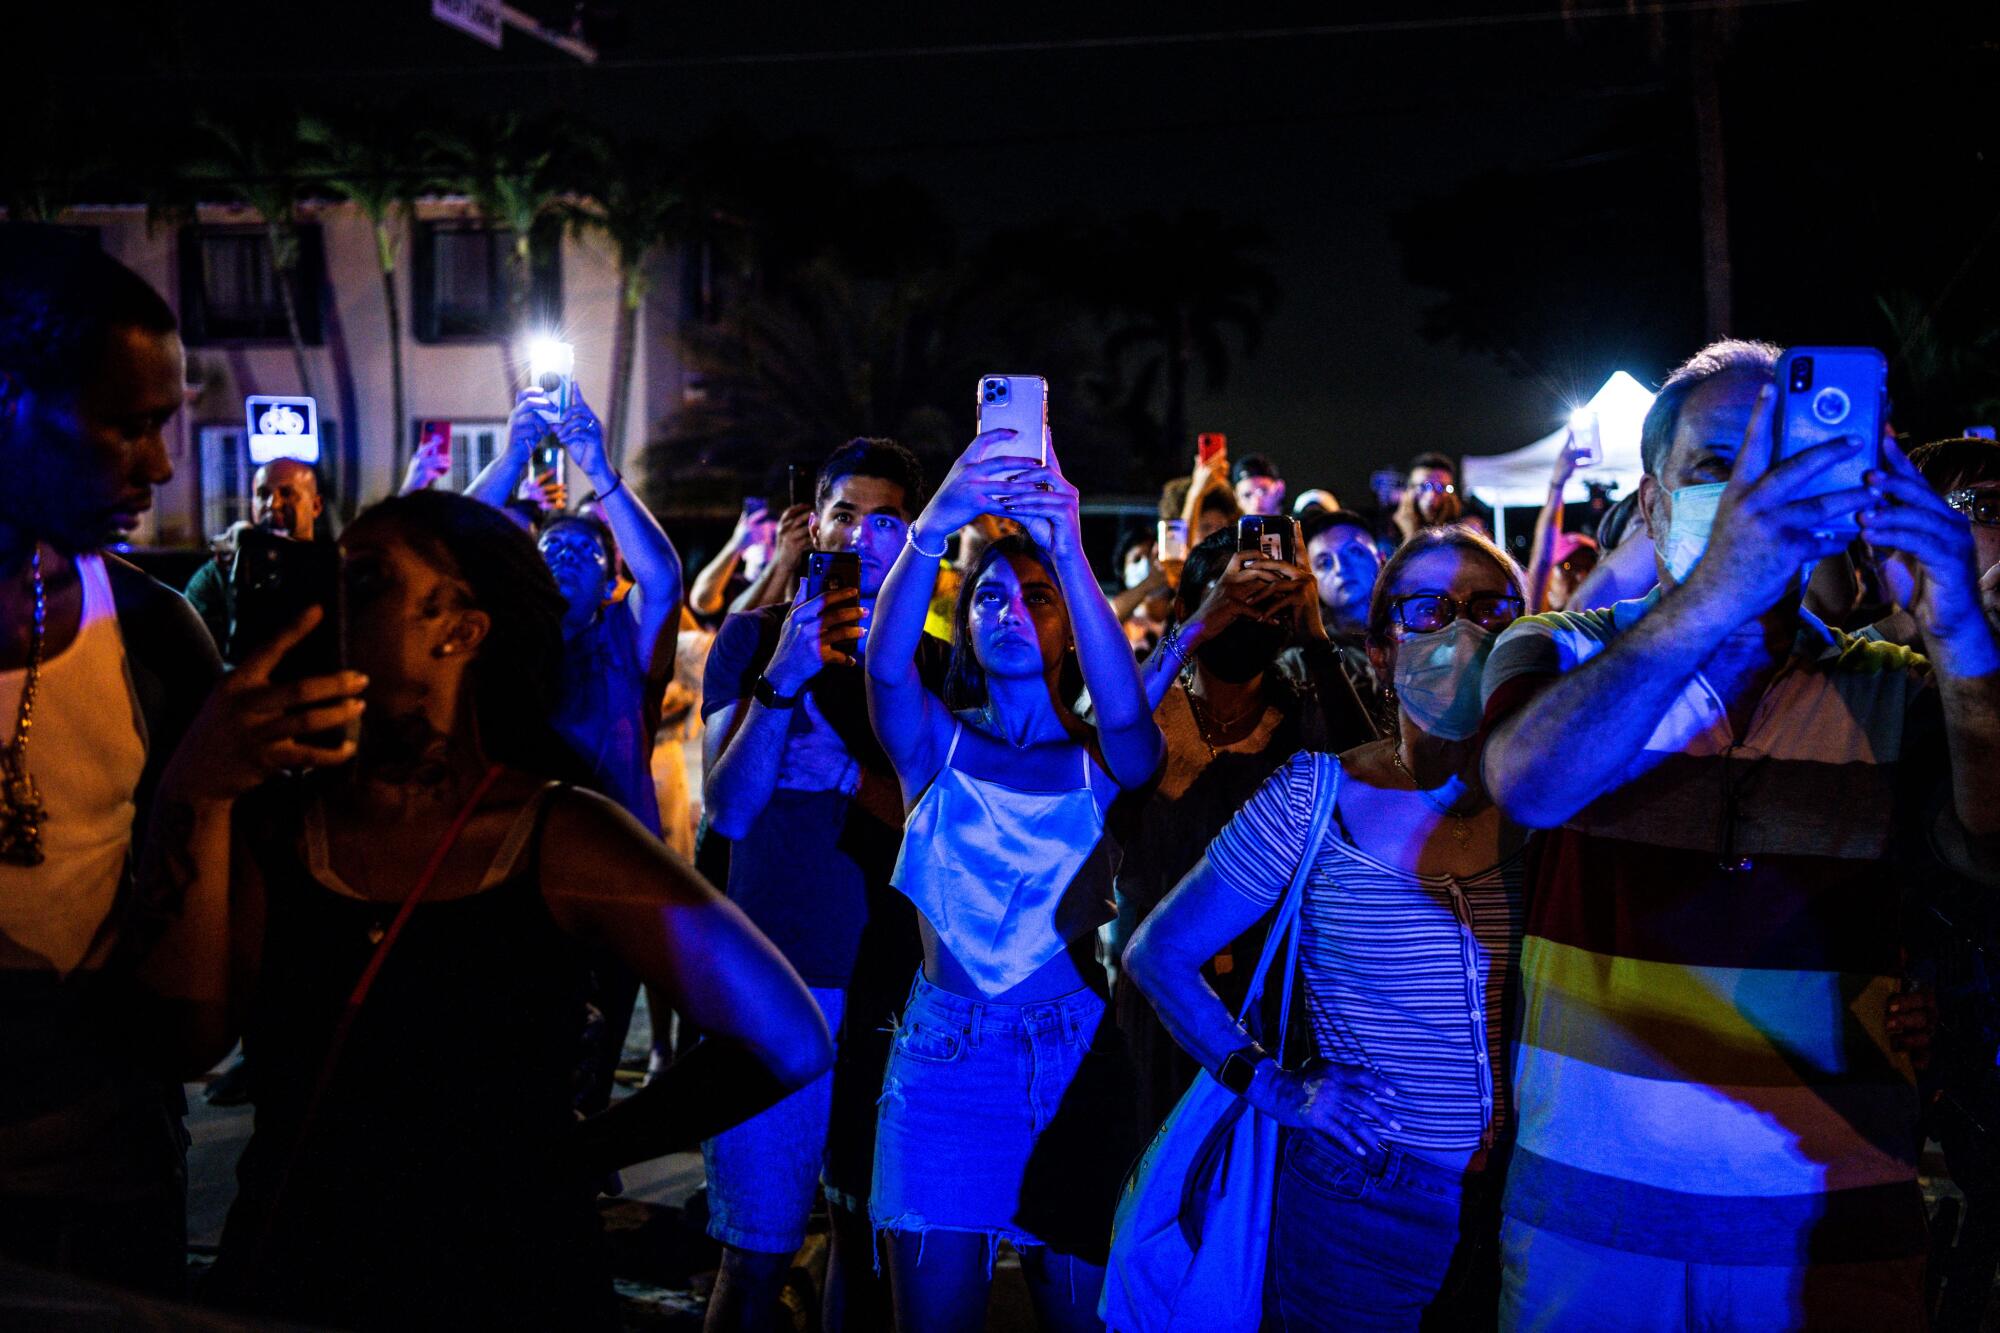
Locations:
(1827, 393)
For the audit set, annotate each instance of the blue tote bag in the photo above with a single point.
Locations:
(1194, 1223)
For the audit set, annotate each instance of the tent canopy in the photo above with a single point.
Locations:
(1522, 476)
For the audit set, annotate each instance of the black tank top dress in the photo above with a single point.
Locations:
(429, 1190)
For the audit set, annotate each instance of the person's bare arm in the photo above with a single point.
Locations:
(187, 875)
(1629, 570)
(611, 884)
(1549, 526)
(705, 597)
(496, 481)
(747, 738)
(655, 564)
(773, 583)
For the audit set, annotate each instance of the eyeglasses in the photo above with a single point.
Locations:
(1424, 612)
(1977, 503)
(555, 553)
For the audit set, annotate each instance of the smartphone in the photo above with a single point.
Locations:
(1172, 540)
(1019, 402)
(830, 571)
(273, 580)
(797, 485)
(1269, 535)
(1209, 446)
(547, 459)
(552, 369)
(1589, 441)
(436, 437)
(1829, 393)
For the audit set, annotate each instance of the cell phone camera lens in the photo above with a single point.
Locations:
(1802, 374)
(1831, 406)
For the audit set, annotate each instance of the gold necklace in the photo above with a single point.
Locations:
(21, 810)
(1203, 722)
(1461, 832)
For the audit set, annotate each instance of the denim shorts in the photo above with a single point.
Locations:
(1008, 1120)
(763, 1173)
(1358, 1242)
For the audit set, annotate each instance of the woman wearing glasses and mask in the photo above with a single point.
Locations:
(1411, 925)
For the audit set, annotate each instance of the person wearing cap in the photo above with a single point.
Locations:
(1316, 501)
(1259, 487)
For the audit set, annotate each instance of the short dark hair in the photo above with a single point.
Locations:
(1950, 464)
(1255, 465)
(1321, 521)
(1730, 356)
(1456, 536)
(865, 456)
(1433, 461)
(61, 300)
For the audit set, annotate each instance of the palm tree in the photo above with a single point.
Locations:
(260, 163)
(1174, 288)
(374, 163)
(508, 167)
(637, 198)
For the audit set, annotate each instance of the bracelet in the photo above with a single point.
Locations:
(910, 540)
(617, 483)
(1171, 643)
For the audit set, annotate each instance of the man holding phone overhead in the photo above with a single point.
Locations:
(796, 779)
(1715, 1127)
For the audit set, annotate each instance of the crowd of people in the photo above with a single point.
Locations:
(1639, 949)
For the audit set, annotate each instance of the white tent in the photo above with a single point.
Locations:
(1521, 477)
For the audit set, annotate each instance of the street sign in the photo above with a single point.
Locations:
(479, 18)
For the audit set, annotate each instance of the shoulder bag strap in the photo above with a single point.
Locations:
(366, 982)
(1284, 923)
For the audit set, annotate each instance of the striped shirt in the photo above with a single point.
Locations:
(1703, 1071)
(1404, 974)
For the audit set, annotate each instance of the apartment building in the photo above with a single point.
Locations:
(459, 353)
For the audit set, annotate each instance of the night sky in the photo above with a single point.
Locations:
(1322, 124)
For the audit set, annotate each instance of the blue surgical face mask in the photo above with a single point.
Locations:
(1437, 678)
(1689, 528)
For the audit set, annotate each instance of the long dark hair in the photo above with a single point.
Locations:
(516, 677)
(965, 679)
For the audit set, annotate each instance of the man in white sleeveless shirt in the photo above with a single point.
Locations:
(100, 669)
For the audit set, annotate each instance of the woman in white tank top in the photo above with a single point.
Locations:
(999, 1109)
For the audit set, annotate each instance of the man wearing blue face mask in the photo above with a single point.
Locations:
(1714, 1125)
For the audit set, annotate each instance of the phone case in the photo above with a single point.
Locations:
(1019, 403)
(1826, 393)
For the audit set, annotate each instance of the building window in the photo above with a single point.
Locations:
(225, 477)
(229, 291)
(459, 281)
(474, 444)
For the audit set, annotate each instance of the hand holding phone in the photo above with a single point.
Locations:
(1832, 393)
(1211, 448)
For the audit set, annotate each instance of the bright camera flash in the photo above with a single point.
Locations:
(550, 356)
(1582, 417)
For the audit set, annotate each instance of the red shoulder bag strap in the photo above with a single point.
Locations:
(359, 995)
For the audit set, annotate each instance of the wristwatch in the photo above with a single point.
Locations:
(1239, 1067)
(765, 693)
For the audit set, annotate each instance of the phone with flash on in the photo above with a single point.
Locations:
(830, 571)
(1019, 403)
(552, 369)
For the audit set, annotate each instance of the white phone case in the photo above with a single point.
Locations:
(1019, 403)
